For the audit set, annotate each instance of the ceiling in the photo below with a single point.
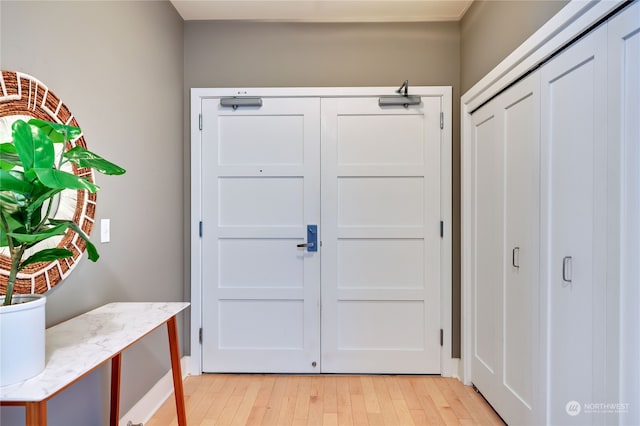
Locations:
(323, 10)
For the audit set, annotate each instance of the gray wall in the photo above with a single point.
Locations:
(118, 66)
(491, 30)
(224, 54)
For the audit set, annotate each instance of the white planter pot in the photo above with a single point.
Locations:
(22, 338)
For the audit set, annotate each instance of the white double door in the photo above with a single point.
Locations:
(368, 178)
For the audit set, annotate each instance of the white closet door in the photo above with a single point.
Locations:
(488, 262)
(574, 112)
(380, 235)
(260, 180)
(521, 292)
(624, 189)
(506, 285)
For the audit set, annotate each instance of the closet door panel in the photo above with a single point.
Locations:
(624, 192)
(506, 300)
(521, 127)
(489, 246)
(573, 126)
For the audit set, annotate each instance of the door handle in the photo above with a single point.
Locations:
(312, 239)
(567, 269)
(515, 257)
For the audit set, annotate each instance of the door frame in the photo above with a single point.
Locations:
(448, 365)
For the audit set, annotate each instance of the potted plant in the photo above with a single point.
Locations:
(31, 180)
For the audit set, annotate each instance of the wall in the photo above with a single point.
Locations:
(118, 67)
(491, 30)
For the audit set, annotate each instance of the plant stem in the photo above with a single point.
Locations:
(16, 257)
(5, 226)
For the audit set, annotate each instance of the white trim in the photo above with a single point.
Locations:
(568, 23)
(195, 367)
(147, 406)
(335, 92)
(449, 366)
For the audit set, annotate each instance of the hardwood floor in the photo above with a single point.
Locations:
(279, 400)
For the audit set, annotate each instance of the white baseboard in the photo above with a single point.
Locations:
(147, 406)
(455, 365)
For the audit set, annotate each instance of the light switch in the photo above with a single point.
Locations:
(105, 230)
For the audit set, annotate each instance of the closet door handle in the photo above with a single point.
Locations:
(567, 269)
(515, 257)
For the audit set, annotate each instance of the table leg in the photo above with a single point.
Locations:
(174, 350)
(114, 410)
(36, 413)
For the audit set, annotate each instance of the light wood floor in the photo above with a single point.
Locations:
(222, 399)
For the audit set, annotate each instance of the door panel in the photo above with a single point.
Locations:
(260, 176)
(380, 235)
(359, 201)
(261, 201)
(488, 270)
(522, 351)
(506, 262)
(573, 128)
(624, 190)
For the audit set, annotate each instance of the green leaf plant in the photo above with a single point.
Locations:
(30, 178)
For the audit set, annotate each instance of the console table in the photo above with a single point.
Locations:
(78, 346)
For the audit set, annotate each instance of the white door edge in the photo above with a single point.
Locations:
(449, 366)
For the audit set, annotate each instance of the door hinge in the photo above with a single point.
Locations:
(200, 229)
(200, 335)
(441, 337)
(200, 121)
(441, 120)
(441, 229)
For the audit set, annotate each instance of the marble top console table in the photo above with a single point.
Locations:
(78, 346)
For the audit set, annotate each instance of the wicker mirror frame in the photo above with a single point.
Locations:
(24, 95)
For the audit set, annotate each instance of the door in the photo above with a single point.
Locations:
(376, 292)
(380, 236)
(505, 285)
(260, 291)
(521, 349)
(488, 249)
(574, 158)
(624, 191)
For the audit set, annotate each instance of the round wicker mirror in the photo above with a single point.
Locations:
(23, 97)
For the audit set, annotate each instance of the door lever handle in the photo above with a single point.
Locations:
(312, 239)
